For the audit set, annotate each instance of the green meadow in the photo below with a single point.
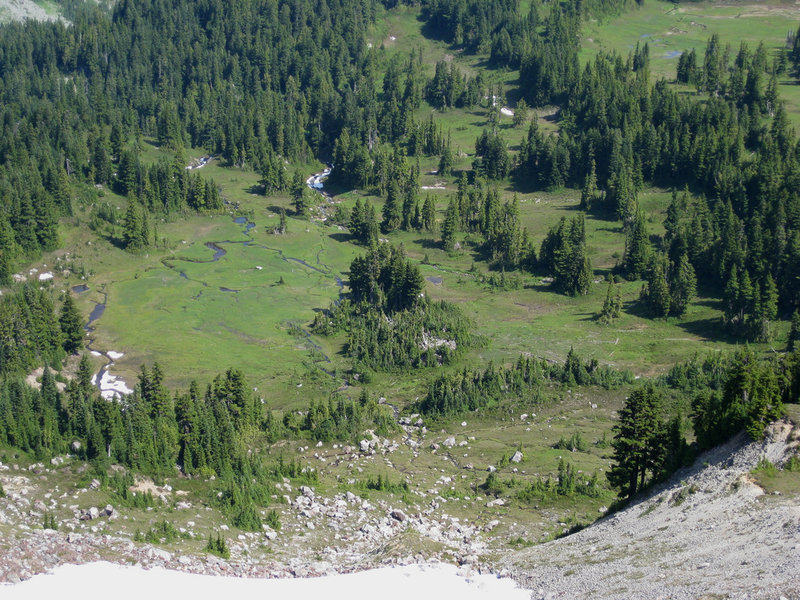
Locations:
(670, 29)
(173, 304)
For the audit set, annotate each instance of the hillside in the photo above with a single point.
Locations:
(311, 287)
(711, 531)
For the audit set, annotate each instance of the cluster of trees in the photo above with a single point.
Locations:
(338, 419)
(648, 442)
(748, 397)
(155, 431)
(383, 278)
(399, 183)
(451, 88)
(569, 482)
(452, 394)
(727, 393)
(390, 323)
(32, 334)
(255, 84)
(563, 254)
(477, 208)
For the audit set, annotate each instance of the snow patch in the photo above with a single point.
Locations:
(45, 276)
(507, 111)
(69, 582)
(316, 180)
(111, 386)
(114, 355)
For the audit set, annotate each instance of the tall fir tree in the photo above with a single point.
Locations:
(71, 324)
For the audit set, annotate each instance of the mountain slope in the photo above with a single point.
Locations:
(710, 532)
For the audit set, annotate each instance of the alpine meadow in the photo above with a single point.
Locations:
(298, 288)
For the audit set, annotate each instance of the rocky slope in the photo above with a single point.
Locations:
(19, 10)
(710, 532)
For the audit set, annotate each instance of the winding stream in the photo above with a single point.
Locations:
(111, 386)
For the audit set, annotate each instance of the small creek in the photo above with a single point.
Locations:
(315, 183)
(110, 386)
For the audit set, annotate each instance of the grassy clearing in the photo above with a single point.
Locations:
(671, 29)
(169, 304)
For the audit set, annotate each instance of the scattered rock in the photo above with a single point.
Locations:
(517, 458)
(399, 515)
(449, 442)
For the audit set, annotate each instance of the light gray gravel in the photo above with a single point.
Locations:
(710, 532)
(19, 10)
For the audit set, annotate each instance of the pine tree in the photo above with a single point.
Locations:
(71, 324)
(682, 286)
(282, 221)
(300, 203)
(428, 214)
(392, 209)
(133, 230)
(637, 248)
(521, 113)
(450, 226)
(446, 162)
(612, 306)
(656, 292)
(589, 191)
(794, 332)
(637, 452)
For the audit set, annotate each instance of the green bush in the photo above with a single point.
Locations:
(573, 444)
(218, 546)
(273, 520)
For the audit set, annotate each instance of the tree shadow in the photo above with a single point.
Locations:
(710, 329)
(341, 237)
(554, 118)
(610, 229)
(429, 243)
(256, 189)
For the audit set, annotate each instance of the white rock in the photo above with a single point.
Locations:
(517, 458)
(449, 442)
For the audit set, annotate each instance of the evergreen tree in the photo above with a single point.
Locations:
(300, 203)
(637, 248)
(428, 214)
(446, 161)
(656, 292)
(450, 226)
(612, 306)
(794, 332)
(521, 113)
(134, 230)
(682, 286)
(392, 209)
(589, 191)
(71, 324)
(637, 452)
